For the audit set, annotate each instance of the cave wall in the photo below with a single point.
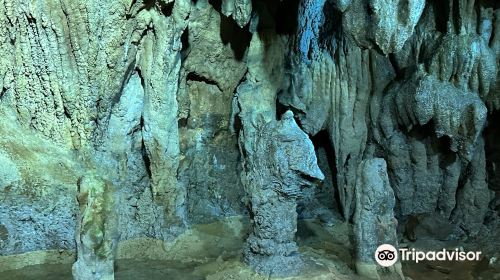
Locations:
(91, 78)
(161, 98)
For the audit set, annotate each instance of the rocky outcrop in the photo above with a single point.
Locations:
(333, 95)
(281, 162)
(423, 99)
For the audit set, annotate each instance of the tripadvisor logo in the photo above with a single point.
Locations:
(387, 255)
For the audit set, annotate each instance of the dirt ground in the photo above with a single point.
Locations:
(213, 252)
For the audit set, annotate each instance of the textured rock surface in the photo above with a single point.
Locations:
(184, 107)
(209, 161)
(96, 230)
(374, 221)
(422, 99)
(37, 191)
(277, 167)
(240, 10)
(384, 24)
(327, 101)
(278, 161)
(93, 78)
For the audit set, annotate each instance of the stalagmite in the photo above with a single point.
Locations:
(96, 234)
(281, 162)
(374, 222)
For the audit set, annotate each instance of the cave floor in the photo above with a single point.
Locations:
(213, 252)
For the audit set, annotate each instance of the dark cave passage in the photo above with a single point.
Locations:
(322, 201)
(323, 144)
(492, 149)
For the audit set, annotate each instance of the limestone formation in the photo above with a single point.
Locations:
(471, 207)
(278, 165)
(195, 111)
(374, 222)
(240, 10)
(423, 99)
(278, 161)
(209, 166)
(326, 101)
(96, 231)
(37, 190)
(383, 24)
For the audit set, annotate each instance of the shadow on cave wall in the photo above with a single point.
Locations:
(230, 33)
(325, 153)
(321, 201)
(276, 15)
(492, 149)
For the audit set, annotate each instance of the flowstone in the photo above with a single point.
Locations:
(96, 235)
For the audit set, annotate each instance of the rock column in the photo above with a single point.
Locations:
(281, 162)
(277, 156)
(96, 234)
(374, 222)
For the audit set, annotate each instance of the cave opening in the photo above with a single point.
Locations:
(144, 153)
(238, 38)
(331, 29)
(193, 76)
(322, 201)
(441, 13)
(322, 141)
(2, 92)
(165, 8)
(441, 143)
(186, 47)
(280, 15)
(216, 4)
